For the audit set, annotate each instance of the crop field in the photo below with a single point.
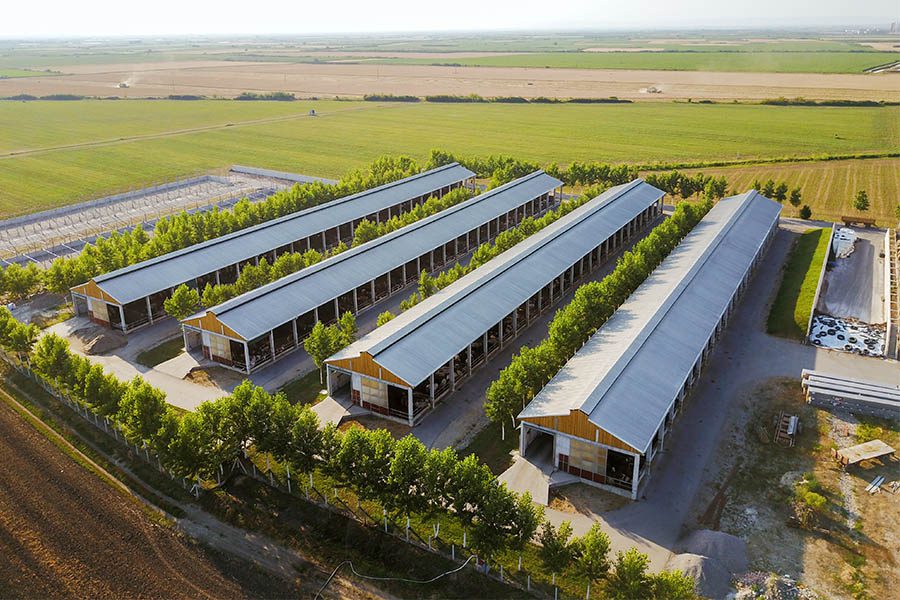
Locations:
(692, 60)
(100, 147)
(829, 187)
(14, 73)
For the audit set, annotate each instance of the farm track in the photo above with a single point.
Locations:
(65, 533)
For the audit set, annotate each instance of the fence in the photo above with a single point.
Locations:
(306, 492)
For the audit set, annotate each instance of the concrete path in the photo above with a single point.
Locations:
(179, 392)
(745, 357)
(334, 410)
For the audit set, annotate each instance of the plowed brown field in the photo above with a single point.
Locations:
(64, 533)
(227, 79)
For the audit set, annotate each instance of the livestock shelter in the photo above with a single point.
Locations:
(256, 328)
(404, 367)
(133, 296)
(609, 408)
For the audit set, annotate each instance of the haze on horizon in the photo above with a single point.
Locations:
(62, 18)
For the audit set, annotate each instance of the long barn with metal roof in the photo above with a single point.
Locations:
(133, 296)
(402, 368)
(254, 329)
(609, 408)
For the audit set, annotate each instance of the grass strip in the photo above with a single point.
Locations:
(790, 311)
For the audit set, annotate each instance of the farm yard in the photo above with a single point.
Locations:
(116, 146)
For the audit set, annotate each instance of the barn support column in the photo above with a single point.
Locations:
(431, 389)
(122, 317)
(272, 344)
(247, 357)
(296, 336)
(635, 475)
(149, 310)
(409, 402)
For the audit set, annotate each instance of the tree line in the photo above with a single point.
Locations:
(186, 300)
(592, 305)
(430, 284)
(181, 230)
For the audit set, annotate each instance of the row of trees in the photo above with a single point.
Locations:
(502, 169)
(676, 183)
(624, 578)
(402, 476)
(429, 284)
(778, 190)
(181, 230)
(592, 305)
(185, 300)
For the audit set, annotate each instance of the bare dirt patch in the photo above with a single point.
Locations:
(214, 377)
(64, 533)
(851, 550)
(228, 79)
(94, 339)
(586, 500)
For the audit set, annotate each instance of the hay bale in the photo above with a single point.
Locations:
(713, 579)
(730, 550)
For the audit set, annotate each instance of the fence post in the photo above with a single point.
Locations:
(528, 582)
(453, 551)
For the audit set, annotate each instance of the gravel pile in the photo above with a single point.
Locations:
(713, 579)
(730, 550)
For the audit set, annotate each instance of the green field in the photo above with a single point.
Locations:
(12, 73)
(790, 311)
(99, 155)
(706, 60)
(829, 187)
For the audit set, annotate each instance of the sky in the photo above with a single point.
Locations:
(77, 18)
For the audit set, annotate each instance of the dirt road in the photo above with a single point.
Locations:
(228, 79)
(64, 533)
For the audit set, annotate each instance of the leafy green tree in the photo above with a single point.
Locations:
(806, 212)
(556, 550)
(781, 192)
(493, 527)
(21, 338)
(468, 488)
(427, 285)
(322, 342)
(347, 329)
(384, 318)
(629, 578)
(188, 446)
(364, 460)
(183, 302)
(19, 281)
(365, 231)
(306, 440)
(527, 519)
(141, 409)
(406, 481)
(104, 392)
(768, 189)
(673, 585)
(796, 196)
(437, 476)
(51, 358)
(862, 201)
(592, 550)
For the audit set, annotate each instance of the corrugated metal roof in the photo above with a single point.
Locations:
(626, 377)
(169, 270)
(261, 310)
(421, 340)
